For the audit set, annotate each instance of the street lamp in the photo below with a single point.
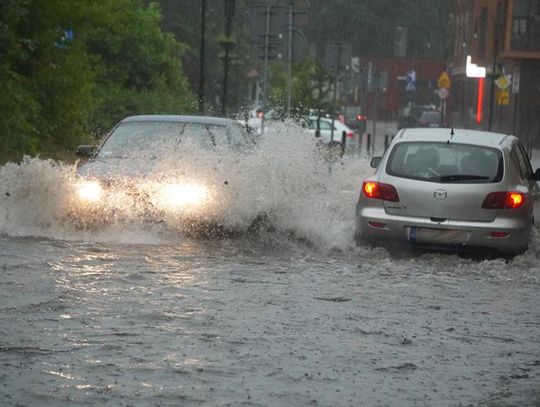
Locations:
(475, 71)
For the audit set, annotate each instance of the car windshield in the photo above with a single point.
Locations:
(445, 162)
(154, 137)
(431, 116)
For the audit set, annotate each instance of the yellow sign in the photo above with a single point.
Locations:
(503, 82)
(503, 98)
(444, 81)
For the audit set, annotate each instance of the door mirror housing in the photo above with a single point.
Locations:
(375, 161)
(85, 151)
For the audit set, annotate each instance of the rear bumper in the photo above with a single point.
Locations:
(373, 224)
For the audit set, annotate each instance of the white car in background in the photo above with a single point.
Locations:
(325, 131)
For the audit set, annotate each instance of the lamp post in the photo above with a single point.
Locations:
(493, 75)
(228, 44)
(201, 57)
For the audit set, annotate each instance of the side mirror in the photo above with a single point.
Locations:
(375, 161)
(85, 151)
(537, 174)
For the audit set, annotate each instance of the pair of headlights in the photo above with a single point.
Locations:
(174, 194)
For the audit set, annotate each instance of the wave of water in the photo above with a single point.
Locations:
(286, 178)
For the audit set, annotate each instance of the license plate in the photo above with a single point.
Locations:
(437, 236)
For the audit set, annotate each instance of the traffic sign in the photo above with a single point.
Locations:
(444, 81)
(443, 93)
(503, 98)
(515, 80)
(503, 82)
(411, 81)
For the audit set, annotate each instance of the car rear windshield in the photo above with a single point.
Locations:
(150, 137)
(433, 117)
(445, 162)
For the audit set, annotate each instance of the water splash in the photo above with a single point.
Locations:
(286, 178)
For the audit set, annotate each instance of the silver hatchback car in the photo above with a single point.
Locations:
(450, 188)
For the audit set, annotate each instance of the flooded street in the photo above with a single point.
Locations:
(269, 322)
(138, 315)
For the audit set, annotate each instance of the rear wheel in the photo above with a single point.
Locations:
(359, 237)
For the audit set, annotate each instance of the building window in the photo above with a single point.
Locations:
(482, 35)
(526, 25)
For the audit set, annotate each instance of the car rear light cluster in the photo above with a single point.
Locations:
(377, 190)
(350, 134)
(504, 200)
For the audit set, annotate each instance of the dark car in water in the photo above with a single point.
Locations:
(355, 118)
(157, 167)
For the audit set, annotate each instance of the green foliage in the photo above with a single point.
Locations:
(309, 86)
(57, 90)
(140, 69)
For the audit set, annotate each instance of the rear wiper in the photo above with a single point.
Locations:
(462, 177)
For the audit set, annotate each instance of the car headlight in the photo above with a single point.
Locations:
(182, 195)
(89, 191)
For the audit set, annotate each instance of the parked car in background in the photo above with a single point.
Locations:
(429, 118)
(355, 118)
(410, 116)
(450, 188)
(324, 130)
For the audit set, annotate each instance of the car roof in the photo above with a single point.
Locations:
(218, 121)
(463, 136)
(328, 120)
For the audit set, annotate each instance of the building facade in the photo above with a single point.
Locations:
(502, 36)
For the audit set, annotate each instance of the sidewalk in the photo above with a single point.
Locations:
(382, 129)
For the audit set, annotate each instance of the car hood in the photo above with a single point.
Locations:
(118, 168)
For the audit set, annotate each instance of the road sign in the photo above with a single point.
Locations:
(503, 82)
(515, 80)
(503, 98)
(444, 81)
(411, 81)
(443, 93)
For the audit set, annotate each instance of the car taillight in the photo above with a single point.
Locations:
(503, 200)
(350, 134)
(377, 190)
(360, 117)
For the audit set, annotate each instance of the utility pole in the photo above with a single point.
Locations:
(334, 97)
(266, 57)
(289, 59)
(227, 45)
(201, 56)
(493, 75)
(377, 80)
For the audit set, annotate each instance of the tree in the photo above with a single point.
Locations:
(139, 66)
(71, 67)
(310, 88)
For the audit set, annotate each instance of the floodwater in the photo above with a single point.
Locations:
(144, 315)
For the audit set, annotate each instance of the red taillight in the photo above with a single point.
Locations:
(360, 117)
(499, 235)
(514, 200)
(350, 134)
(377, 225)
(503, 200)
(377, 190)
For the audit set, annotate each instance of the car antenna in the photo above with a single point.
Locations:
(451, 135)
